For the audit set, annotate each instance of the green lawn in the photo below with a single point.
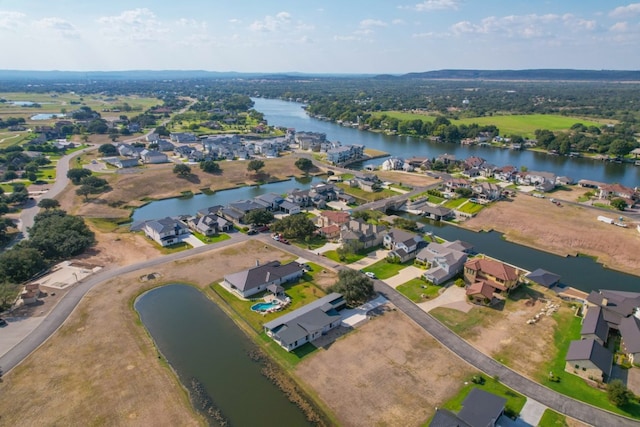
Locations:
(314, 242)
(366, 195)
(571, 385)
(333, 255)
(471, 208)
(521, 124)
(453, 204)
(552, 419)
(515, 401)
(415, 288)
(211, 239)
(384, 269)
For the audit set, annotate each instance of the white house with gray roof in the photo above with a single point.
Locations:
(166, 231)
(257, 279)
(444, 261)
(306, 323)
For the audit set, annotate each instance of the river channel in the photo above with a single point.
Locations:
(291, 115)
(200, 341)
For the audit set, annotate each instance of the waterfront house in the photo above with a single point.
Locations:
(543, 277)
(166, 231)
(608, 191)
(437, 213)
(362, 233)
(498, 275)
(209, 224)
(307, 323)
(442, 260)
(402, 244)
(487, 191)
(254, 280)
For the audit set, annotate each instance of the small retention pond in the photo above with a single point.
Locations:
(212, 358)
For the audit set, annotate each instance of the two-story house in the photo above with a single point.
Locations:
(487, 276)
(402, 244)
(444, 261)
(166, 231)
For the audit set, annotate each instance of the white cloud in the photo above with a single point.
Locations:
(10, 20)
(578, 24)
(619, 27)
(58, 25)
(271, 23)
(398, 22)
(429, 34)
(524, 26)
(235, 21)
(346, 38)
(429, 5)
(368, 23)
(626, 11)
(136, 24)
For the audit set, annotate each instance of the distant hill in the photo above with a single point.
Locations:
(542, 74)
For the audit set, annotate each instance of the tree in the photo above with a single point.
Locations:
(294, 226)
(20, 264)
(258, 217)
(76, 174)
(405, 224)
(464, 192)
(209, 166)
(618, 393)
(354, 286)
(48, 204)
(84, 190)
(57, 235)
(182, 170)
(8, 293)
(108, 149)
(255, 165)
(619, 203)
(304, 164)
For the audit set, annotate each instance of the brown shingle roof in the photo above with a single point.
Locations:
(493, 268)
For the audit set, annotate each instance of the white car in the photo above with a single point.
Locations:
(370, 275)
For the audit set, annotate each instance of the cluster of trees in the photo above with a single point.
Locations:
(355, 287)
(87, 182)
(55, 236)
(297, 226)
(17, 164)
(617, 140)
(11, 121)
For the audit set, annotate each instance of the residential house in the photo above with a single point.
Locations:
(608, 191)
(454, 183)
(128, 150)
(392, 164)
(437, 213)
(402, 244)
(479, 409)
(253, 280)
(153, 157)
(183, 151)
(345, 153)
(152, 137)
(166, 231)
(589, 359)
(506, 173)
(447, 159)
(209, 224)
(122, 163)
(307, 323)
(332, 217)
(164, 145)
(236, 211)
(543, 277)
(443, 261)
(542, 181)
(310, 140)
(30, 293)
(473, 162)
(367, 182)
(183, 137)
(362, 233)
(498, 275)
(487, 191)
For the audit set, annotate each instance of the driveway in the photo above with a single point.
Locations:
(326, 248)
(193, 241)
(371, 258)
(403, 276)
(452, 297)
(532, 412)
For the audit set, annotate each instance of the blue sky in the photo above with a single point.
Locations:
(347, 36)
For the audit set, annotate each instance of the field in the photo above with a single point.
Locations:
(566, 230)
(521, 124)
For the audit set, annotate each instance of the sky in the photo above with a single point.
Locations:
(315, 36)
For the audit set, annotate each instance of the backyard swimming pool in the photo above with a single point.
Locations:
(261, 307)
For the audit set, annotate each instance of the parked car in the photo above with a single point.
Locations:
(262, 229)
(252, 231)
(306, 267)
(370, 275)
(3, 322)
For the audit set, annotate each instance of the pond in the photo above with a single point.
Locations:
(48, 116)
(212, 359)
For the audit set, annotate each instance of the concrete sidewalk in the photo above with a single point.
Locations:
(370, 259)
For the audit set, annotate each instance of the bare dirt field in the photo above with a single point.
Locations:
(131, 187)
(406, 178)
(566, 230)
(101, 367)
(385, 378)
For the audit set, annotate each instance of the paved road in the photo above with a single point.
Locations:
(31, 208)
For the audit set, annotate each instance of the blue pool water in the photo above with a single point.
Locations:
(264, 306)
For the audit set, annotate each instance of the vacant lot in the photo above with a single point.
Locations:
(406, 178)
(566, 230)
(101, 367)
(378, 377)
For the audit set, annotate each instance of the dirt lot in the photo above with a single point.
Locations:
(566, 230)
(406, 178)
(131, 187)
(385, 378)
(102, 365)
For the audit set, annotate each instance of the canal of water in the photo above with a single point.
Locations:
(201, 342)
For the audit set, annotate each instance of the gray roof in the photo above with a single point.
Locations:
(543, 277)
(630, 331)
(436, 210)
(288, 205)
(257, 276)
(269, 198)
(159, 225)
(593, 351)
(301, 322)
(401, 236)
(446, 418)
(459, 245)
(481, 408)
(594, 323)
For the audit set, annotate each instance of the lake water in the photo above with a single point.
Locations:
(291, 115)
(48, 116)
(191, 205)
(200, 341)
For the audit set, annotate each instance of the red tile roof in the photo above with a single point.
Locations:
(493, 268)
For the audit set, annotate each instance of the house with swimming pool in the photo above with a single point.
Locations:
(257, 279)
(307, 323)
